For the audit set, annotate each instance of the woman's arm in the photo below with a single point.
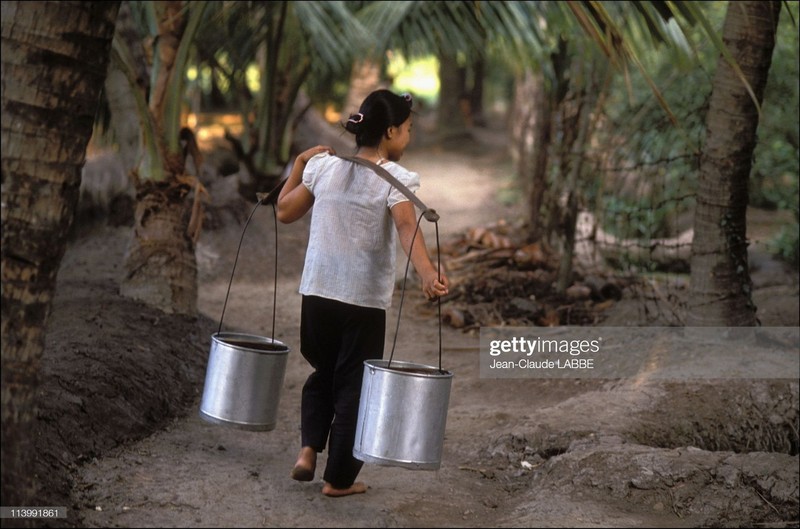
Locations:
(434, 283)
(295, 199)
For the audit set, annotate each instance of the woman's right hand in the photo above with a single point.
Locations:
(306, 155)
(294, 199)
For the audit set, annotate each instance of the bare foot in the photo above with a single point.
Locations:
(306, 464)
(356, 488)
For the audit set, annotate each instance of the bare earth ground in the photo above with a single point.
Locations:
(121, 444)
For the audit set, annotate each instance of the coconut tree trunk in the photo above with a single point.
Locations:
(572, 168)
(160, 263)
(450, 120)
(160, 266)
(720, 282)
(54, 63)
(125, 121)
(476, 94)
(532, 121)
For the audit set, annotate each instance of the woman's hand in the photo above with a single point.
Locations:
(294, 199)
(306, 155)
(435, 285)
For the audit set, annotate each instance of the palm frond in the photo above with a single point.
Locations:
(172, 118)
(690, 11)
(152, 164)
(333, 33)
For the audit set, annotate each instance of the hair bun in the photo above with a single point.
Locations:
(354, 122)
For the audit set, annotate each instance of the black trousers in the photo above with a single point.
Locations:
(336, 338)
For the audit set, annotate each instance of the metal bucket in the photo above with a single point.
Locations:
(245, 372)
(243, 381)
(402, 415)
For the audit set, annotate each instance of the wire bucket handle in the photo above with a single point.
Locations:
(403, 293)
(263, 198)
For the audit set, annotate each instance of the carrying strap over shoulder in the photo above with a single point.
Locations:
(429, 214)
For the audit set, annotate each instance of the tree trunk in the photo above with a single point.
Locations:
(720, 282)
(476, 94)
(125, 120)
(573, 169)
(450, 120)
(54, 63)
(532, 122)
(521, 121)
(160, 264)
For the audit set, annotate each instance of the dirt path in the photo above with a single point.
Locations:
(195, 473)
(517, 452)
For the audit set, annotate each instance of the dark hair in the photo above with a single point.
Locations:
(379, 111)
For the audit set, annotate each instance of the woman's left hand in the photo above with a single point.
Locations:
(435, 286)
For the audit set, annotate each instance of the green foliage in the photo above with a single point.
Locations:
(650, 170)
(632, 219)
(255, 57)
(650, 166)
(329, 88)
(774, 182)
(785, 245)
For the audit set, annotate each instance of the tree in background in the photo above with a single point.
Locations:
(54, 61)
(287, 41)
(150, 51)
(459, 34)
(775, 180)
(45, 132)
(721, 289)
(443, 28)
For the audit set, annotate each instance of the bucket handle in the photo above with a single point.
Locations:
(261, 200)
(405, 278)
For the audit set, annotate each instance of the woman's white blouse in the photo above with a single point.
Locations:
(351, 247)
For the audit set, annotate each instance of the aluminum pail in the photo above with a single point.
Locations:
(243, 381)
(402, 415)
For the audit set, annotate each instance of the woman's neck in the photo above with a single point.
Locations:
(373, 154)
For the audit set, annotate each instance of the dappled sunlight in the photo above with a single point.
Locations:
(210, 127)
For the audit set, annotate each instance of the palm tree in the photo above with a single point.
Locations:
(528, 30)
(721, 289)
(160, 264)
(720, 282)
(45, 133)
(53, 66)
(288, 40)
(449, 30)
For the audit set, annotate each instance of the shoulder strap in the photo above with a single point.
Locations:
(430, 214)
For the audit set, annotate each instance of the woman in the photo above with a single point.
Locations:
(348, 277)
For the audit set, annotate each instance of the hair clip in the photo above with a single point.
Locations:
(356, 118)
(408, 99)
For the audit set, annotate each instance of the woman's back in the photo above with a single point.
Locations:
(351, 250)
